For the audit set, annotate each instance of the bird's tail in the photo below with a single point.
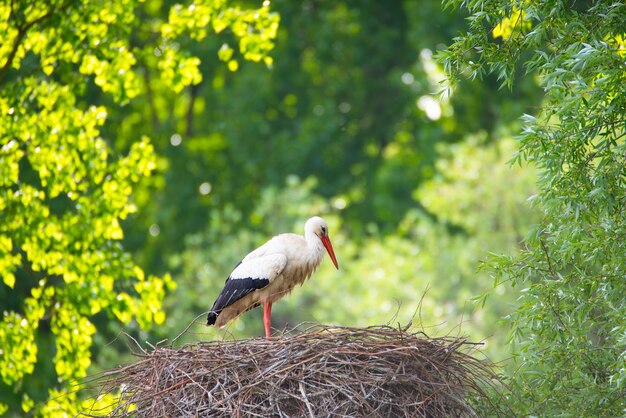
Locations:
(211, 318)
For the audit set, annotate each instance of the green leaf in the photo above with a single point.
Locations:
(9, 279)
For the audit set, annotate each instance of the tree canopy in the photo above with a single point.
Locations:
(569, 326)
(64, 66)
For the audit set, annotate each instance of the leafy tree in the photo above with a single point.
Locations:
(64, 191)
(569, 329)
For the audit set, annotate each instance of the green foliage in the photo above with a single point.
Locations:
(570, 324)
(254, 30)
(64, 192)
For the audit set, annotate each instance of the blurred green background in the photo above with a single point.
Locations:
(345, 124)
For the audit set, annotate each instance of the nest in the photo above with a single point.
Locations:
(320, 371)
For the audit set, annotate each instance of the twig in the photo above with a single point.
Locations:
(306, 401)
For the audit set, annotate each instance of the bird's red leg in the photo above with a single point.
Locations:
(267, 320)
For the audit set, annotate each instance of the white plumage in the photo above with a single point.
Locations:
(272, 271)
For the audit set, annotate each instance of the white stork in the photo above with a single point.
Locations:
(272, 271)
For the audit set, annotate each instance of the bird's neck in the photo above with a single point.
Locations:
(315, 246)
(312, 239)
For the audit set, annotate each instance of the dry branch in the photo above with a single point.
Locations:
(321, 371)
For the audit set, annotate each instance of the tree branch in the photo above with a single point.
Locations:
(193, 94)
(547, 254)
(16, 44)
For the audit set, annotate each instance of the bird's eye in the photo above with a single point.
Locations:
(323, 230)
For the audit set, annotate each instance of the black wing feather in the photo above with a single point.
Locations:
(234, 289)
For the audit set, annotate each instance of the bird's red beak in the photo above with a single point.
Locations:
(329, 248)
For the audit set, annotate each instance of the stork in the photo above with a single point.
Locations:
(272, 271)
